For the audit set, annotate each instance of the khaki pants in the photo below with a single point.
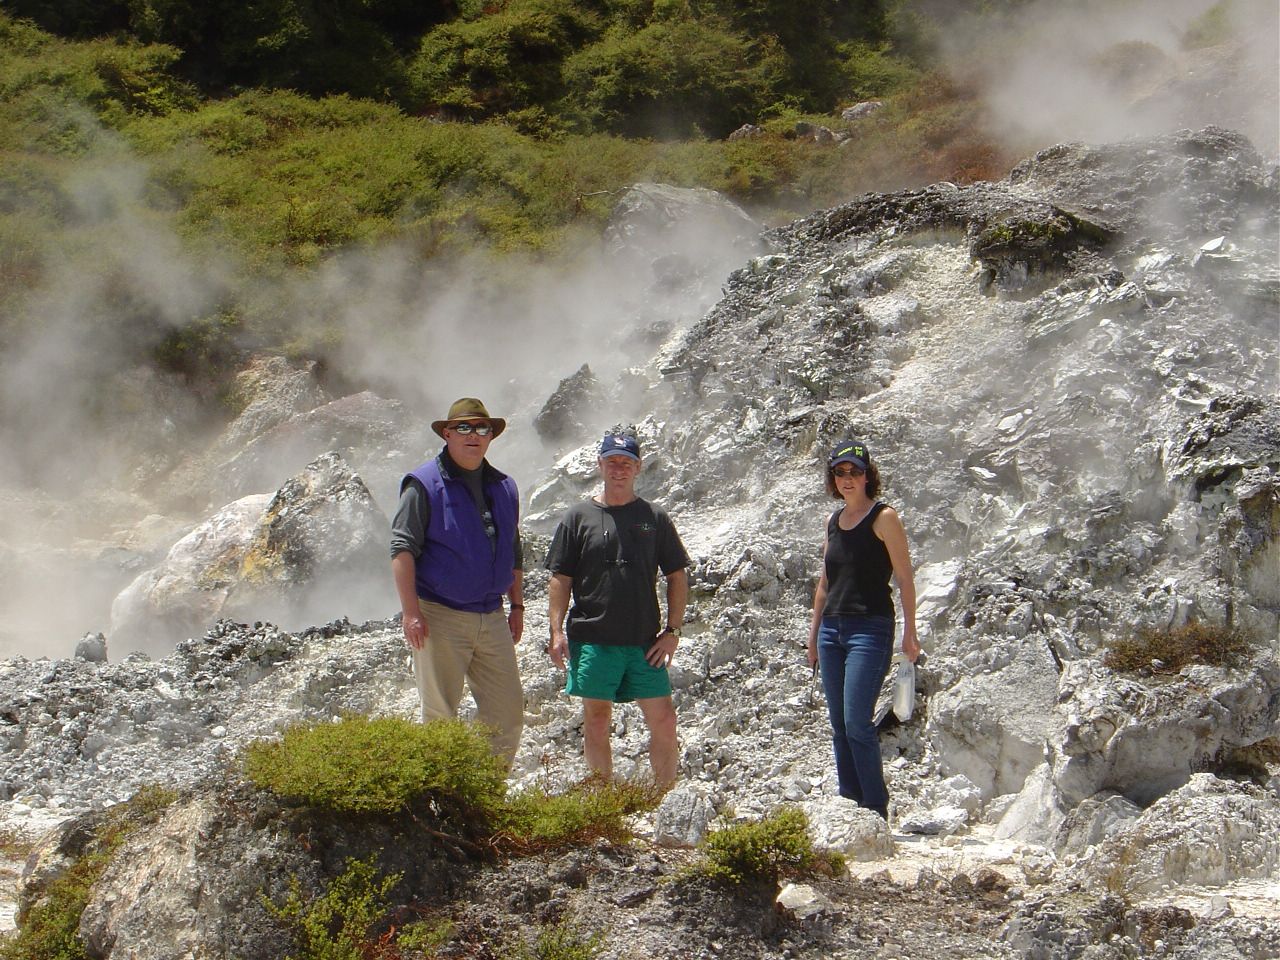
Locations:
(476, 647)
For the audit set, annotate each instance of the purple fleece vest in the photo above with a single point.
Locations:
(459, 566)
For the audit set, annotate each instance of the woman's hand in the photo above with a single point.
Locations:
(910, 642)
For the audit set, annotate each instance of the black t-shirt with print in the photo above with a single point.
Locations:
(613, 555)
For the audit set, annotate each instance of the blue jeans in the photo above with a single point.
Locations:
(854, 653)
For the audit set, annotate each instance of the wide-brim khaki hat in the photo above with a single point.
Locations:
(468, 408)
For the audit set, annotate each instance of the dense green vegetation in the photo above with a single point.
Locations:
(386, 765)
(509, 126)
(557, 99)
(620, 65)
(271, 135)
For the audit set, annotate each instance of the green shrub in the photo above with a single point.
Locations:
(673, 78)
(45, 81)
(205, 348)
(347, 46)
(593, 809)
(872, 70)
(1176, 647)
(335, 925)
(382, 766)
(50, 930)
(508, 60)
(426, 936)
(563, 941)
(762, 851)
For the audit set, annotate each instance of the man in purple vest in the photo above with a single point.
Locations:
(455, 552)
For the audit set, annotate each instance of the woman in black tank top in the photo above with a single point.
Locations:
(851, 634)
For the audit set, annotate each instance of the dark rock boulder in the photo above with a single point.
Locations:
(1190, 184)
(571, 411)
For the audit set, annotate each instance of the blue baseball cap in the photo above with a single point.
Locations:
(619, 445)
(850, 451)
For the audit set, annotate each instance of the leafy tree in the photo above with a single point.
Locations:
(674, 78)
(80, 19)
(314, 46)
(505, 61)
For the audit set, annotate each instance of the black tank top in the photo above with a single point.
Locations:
(858, 569)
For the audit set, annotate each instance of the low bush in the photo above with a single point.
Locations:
(672, 79)
(47, 84)
(763, 851)
(387, 765)
(50, 930)
(507, 60)
(1172, 648)
(562, 941)
(594, 809)
(336, 924)
(382, 766)
(426, 936)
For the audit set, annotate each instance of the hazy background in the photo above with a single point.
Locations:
(87, 425)
(1098, 72)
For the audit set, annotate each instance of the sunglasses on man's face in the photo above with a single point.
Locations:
(844, 470)
(479, 429)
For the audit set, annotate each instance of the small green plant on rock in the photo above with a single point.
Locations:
(763, 851)
(1172, 648)
(593, 809)
(562, 941)
(425, 936)
(387, 765)
(336, 924)
(50, 930)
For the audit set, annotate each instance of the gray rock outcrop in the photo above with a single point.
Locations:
(286, 420)
(284, 557)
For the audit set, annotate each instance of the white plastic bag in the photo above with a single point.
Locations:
(904, 690)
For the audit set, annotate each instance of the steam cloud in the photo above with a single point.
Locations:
(86, 422)
(1103, 71)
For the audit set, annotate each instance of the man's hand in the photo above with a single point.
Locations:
(558, 648)
(663, 649)
(515, 623)
(811, 650)
(415, 630)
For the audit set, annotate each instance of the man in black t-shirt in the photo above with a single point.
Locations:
(606, 555)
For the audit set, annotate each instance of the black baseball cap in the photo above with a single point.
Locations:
(850, 451)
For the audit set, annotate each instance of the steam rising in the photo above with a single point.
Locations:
(1100, 72)
(88, 426)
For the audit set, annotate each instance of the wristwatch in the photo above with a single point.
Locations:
(675, 631)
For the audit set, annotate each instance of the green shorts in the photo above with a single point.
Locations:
(600, 671)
